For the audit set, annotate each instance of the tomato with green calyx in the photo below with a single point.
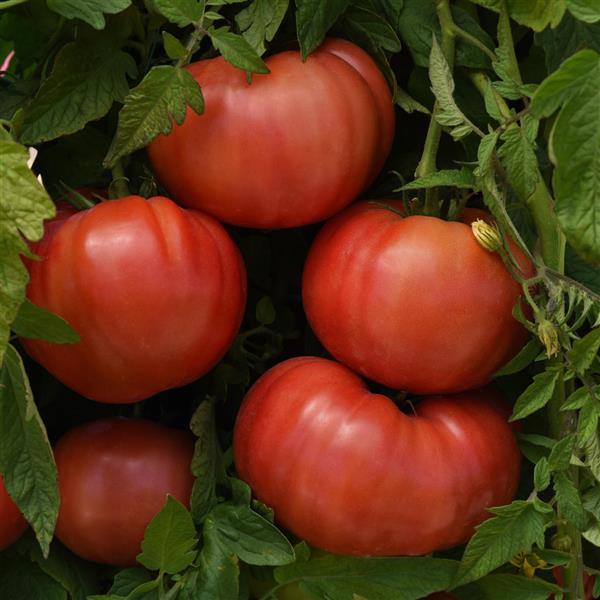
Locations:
(289, 148)
(350, 473)
(415, 303)
(156, 293)
(114, 476)
(12, 523)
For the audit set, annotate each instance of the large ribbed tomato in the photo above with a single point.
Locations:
(414, 303)
(346, 470)
(156, 293)
(114, 476)
(291, 147)
(12, 523)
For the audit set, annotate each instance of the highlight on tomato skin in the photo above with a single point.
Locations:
(416, 484)
(12, 523)
(293, 147)
(155, 292)
(114, 477)
(415, 302)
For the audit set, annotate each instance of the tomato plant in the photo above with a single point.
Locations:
(109, 269)
(165, 171)
(412, 302)
(288, 148)
(353, 458)
(12, 523)
(114, 477)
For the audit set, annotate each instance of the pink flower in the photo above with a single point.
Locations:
(6, 63)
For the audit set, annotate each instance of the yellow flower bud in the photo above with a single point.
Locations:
(487, 235)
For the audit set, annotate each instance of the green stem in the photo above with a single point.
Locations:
(193, 43)
(119, 183)
(10, 3)
(428, 162)
(471, 39)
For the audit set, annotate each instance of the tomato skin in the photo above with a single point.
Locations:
(348, 472)
(156, 293)
(12, 523)
(414, 303)
(114, 477)
(293, 147)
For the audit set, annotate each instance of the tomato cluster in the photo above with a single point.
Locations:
(157, 293)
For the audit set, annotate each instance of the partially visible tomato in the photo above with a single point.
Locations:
(114, 477)
(290, 148)
(12, 523)
(156, 293)
(414, 303)
(350, 473)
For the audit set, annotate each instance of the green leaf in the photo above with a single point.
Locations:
(569, 37)
(85, 81)
(462, 179)
(37, 323)
(418, 23)
(585, 351)
(205, 462)
(560, 455)
(517, 155)
(128, 580)
(26, 459)
(516, 587)
(534, 446)
(407, 103)
(21, 579)
(568, 500)
(536, 14)
(151, 107)
(506, 65)
(537, 395)
(582, 271)
(173, 47)
(578, 399)
(343, 578)
(592, 535)
(181, 12)
(515, 529)
(575, 147)
(169, 540)
(442, 86)
(585, 10)
(260, 21)
(314, 18)
(587, 422)
(541, 474)
(254, 539)
(24, 204)
(74, 574)
(523, 359)
(90, 11)
(592, 455)
(218, 574)
(236, 50)
(371, 28)
(265, 311)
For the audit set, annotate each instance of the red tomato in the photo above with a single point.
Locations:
(12, 523)
(350, 473)
(156, 293)
(293, 147)
(114, 477)
(414, 303)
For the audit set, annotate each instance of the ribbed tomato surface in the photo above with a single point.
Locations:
(414, 303)
(114, 477)
(156, 293)
(350, 473)
(292, 147)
